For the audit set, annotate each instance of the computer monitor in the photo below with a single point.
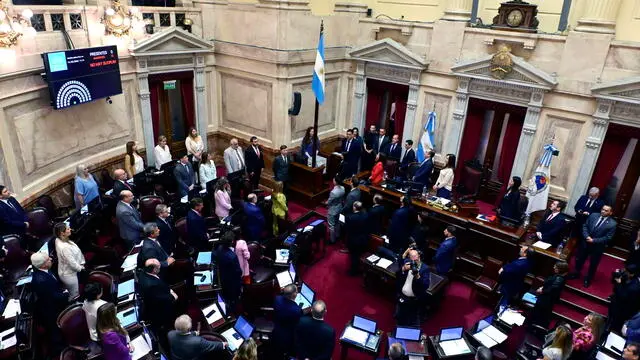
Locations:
(292, 272)
(126, 288)
(508, 221)
(243, 327)
(407, 333)
(454, 333)
(307, 292)
(365, 324)
(484, 323)
(222, 305)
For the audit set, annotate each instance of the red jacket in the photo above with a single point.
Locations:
(377, 173)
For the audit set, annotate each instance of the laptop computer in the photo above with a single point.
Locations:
(409, 338)
(128, 317)
(222, 305)
(305, 297)
(452, 343)
(240, 332)
(530, 298)
(125, 289)
(286, 277)
(362, 331)
(488, 335)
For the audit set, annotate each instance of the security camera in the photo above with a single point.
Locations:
(108, 99)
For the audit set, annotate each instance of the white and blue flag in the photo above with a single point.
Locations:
(427, 142)
(318, 72)
(538, 190)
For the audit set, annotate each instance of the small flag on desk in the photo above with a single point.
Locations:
(427, 142)
(318, 71)
(538, 190)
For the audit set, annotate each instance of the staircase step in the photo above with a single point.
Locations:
(568, 313)
(582, 292)
(583, 303)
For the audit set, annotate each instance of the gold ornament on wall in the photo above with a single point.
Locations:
(502, 63)
(118, 20)
(13, 26)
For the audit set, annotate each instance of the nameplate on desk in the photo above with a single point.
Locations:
(8, 338)
(12, 309)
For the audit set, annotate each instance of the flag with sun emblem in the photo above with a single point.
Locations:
(318, 71)
(538, 190)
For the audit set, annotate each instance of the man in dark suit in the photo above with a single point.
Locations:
(230, 271)
(413, 282)
(183, 172)
(357, 235)
(408, 156)
(423, 174)
(158, 299)
(254, 162)
(625, 301)
(393, 149)
(254, 222)
(381, 141)
(286, 316)
(51, 299)
(587, 205)
(168, 235)
(376, 215)
(13, 219)
(350, 154)
(280, 167)
(151, 249)
(353, 196)
(314, 338)
(445, 255)
(552, 224)
(187, 345)
(401, 225)
(129, 220)
(634, 253)
(120, 183)
(512, 275)
(196, 226)
(597, 231)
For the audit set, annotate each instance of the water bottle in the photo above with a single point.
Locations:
(425, 192)
(559, 248)
(526, 221)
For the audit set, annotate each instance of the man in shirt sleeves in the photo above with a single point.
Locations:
(414, 280)
(552, 224)
(255, 162)
(234, 157)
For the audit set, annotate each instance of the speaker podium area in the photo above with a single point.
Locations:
(307, 185)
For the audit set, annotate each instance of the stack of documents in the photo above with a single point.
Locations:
(490, 336)
(141, 346)
(12, 309)
(130, 262)
(542, 245)
(511, 317)
(455, 347)
(282, 256)
(355, 335)
(384, 263)
(8, 338)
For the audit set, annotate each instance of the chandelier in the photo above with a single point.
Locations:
(118, 21)
(12, 26)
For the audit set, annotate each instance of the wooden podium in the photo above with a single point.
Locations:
(307, 185)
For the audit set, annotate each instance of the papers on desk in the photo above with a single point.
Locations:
(384, 263)
(341, 218)
(267, 198)
(373, 258)
(24, 280)
(184, 199)
(485, 340)
(201, 278)
(130, 262)
(141, 346)
(486, 218)
(282, 256)
(490, 336)
(12, 309)
(511, 317)
(542, 245)
(615, 343)
(455, 347)
(204, 258)
(355, 335)
(8, 338)
(212, 313)
(386, 239)
(284, 278)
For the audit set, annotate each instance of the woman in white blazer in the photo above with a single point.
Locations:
(70, 259)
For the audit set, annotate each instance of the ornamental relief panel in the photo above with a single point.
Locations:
(626, 111)
(388, 72)
(500, 90)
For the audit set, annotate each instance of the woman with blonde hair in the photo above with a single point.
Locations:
(589, 334)
(195, 147)
(115, 339)
(278, 205)
(222, 198)
(161, 152)
(561, 345)
(85, 186)
(70, 259)
(247, 351)
(133, 162)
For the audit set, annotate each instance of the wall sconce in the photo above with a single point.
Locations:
(119, 21)
(186, 24)
(12, 26)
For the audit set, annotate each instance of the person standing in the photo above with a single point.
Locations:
(369, 154)
(357, 235)
(625, 301)
(550, 228)
(85, 186)
(393, 149)
(129, 221)
(185, 176)
(207, 170)
(287, 314)
(168, 235)
(548, 294)
(196, 226)
(587, 205)
(413, 281)
(510, 203)
(588, 335)
(634, 253)
(408, 157)
(350, 155)
(158, 300)
(241, 249)
(444, 184)
(353, 196)
(187, 345)
(254, 221)
(162, 152)
(446, 253)
(401, 225)
(423, 174)
(114, 337)
(512, 275)
(597, 231)
(70, 259)
(151, 249)
(306, 146)
(255, 162)
(230, 270)
(377, 173)
(223, 198)
(334, 208)
(195, 147)
(234, 157)
(120, 183)
(280, 167)
(279, 207)
(381, 141)
(376, 215)
(314, 338)
(133, 162)
(12, 216)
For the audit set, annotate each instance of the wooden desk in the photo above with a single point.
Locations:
(307, 184)
(346, 345)
(439, 354)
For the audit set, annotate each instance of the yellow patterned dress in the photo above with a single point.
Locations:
(279, 209)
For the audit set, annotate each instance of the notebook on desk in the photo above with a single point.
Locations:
(305, 297)
(614, 343)
(240, 332)
(409, 338)
(452, 343)
(487, 334)
(362, 331)
(212, 313)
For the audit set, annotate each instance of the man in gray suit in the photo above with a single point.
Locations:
(334, 205)
(280, 167)
(352, 196)
(187, 345)
(129, 220)
(234, 157)
(597, 231)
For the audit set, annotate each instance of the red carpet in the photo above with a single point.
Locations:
(601, 284)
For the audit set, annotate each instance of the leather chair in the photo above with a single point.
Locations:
(72, 354)
(259, 264)
(106, 182)
(106, 281)
(73, 325)
(470, 181)
(147, 207)
(486, 284)
(390, 167)
(257, 296)
(411, 170)
(56, 213)
(40, 228)
(16, 261)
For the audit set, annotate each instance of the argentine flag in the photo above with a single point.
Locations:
(426, 141)
(318, 72)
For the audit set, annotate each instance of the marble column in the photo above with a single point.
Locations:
(592, 148)
(599, 16)
(145, 109)
(528, 133)
(458, 10)
(201, 100)
(412, 104)
(452, 144)
(360, 100)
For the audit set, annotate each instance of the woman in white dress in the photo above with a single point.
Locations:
(444, 184)
(207, 170)
(561, 345)
(70, 259)
(161, 152)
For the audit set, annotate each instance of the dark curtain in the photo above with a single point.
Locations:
(401, 110)
(374, 100)
(509, 147)
(186, 90)
(155, 110)
(612, 150)
(470, 139)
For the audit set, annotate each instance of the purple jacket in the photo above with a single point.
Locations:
(114, 346)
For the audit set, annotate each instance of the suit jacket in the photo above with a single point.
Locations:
(581, 205)
(157, 299)
(380, 146)
(512, 276)
(375, 218)
(551, 290)
(231, 159)
(510, 206)
(280, 168)
(336, 199)
(12, 220)
(197, 230)
(634, 254)
(129, 222)
(551, 230)
(408, 158)
(254, 223)
(633, 329)
(185, 177)
(445, 255)
(168, 235)
(352, 196)
(315, 339)
(351, 157)
(357, 231)
(399, 229)
(419, 286)
(395, 153)
(50, 296)
(254, 163)
(151, 249)
(603, 234)
(423, 174)
(118, 186)
(190, 346)
(230, 273)
(286, 316)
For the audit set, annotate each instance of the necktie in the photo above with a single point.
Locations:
(550, 217)
(285, 159)
(11, 206)
(405, 154)
(257, 150)
(127, 185)
(186, 168)
(348, 145)
(380, 142)
(239, 159)
(599, 222)
(589, 203)
(393, 147)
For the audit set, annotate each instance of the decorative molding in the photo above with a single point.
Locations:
(347, 7)
(159, 62)
(295, 5)
(392, 73)
(498, 90)
(626, 90)
(388, 52)
(172, 41)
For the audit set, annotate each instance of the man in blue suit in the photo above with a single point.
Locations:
(254, 222)
(286, 316)
(315, 339)
(393, 149)
(196, 226)
(151, 249)
(587, 205)
(184, 175)
(230, 271)
(512, 275)
(408, 156)
(552, 224)
(375, 215)
(168, 235)
(357, 235)
(423, 174)
(351, 149)
(401, 225)
(12, 216)
(597, 231)
(445, 255)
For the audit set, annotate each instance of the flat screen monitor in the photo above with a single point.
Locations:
(307, 292)
(484, 323)
(243, 327)
(407, 333)
(451, 333)
(364, 324)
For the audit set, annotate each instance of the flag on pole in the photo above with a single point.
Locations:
(318, 72)
(427, 140)
(538, 190)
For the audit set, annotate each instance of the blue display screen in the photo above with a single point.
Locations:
(451, 334)
(243, 327)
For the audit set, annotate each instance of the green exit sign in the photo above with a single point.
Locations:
(169, 85)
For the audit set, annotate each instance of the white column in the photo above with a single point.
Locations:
(599, 16)
(201, 100)
(145, 107)
(412, 104)
(457, 119)
(458, 10)
(592, 147)
(528, 133)
(360, 101)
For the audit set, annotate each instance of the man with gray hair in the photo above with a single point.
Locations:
(168, 235)
(287, 314)
(254, 223)
(234, 157)
(484, 353)
(315, 338)
(120, 183)
(396, 352)
(188, 345)
(587, 205)
(129, 220)
(151, 249)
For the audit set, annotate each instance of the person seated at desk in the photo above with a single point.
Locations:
(444, 184)
(413, 281)
(589, 334)
(254, 222)
(510, 203)
(162, 152)
(400, 225)
(511, 276)
(158, 299)
(115, 339)
(151, 248)
(12, 216)
(92, 301)
(393, 149)
(129, 220)
(423, 174)
(188, 345)
(446, 253)
(287, 314)
(549, 294)
(133, 162)
(248, 350)
(223, 198)
(377, 173)
(85, 186)
(376, 215)
(196, 226)
(314, 338)
(483, 353)
(183, 172)
(561, 346)
(168, 235)
(120, 183)
(229, 270)
(550, 228)
(408, 157)
(207, 171)
(631, 351)
(357, 235)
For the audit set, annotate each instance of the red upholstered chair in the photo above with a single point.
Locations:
(486, 284)
(56, 213)
(470, 181)
(106, 281)
(148, 207)
(257, 296)
(40, 228)
(259, 264)
(17, 259)
(73, 325)
(391, 167)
